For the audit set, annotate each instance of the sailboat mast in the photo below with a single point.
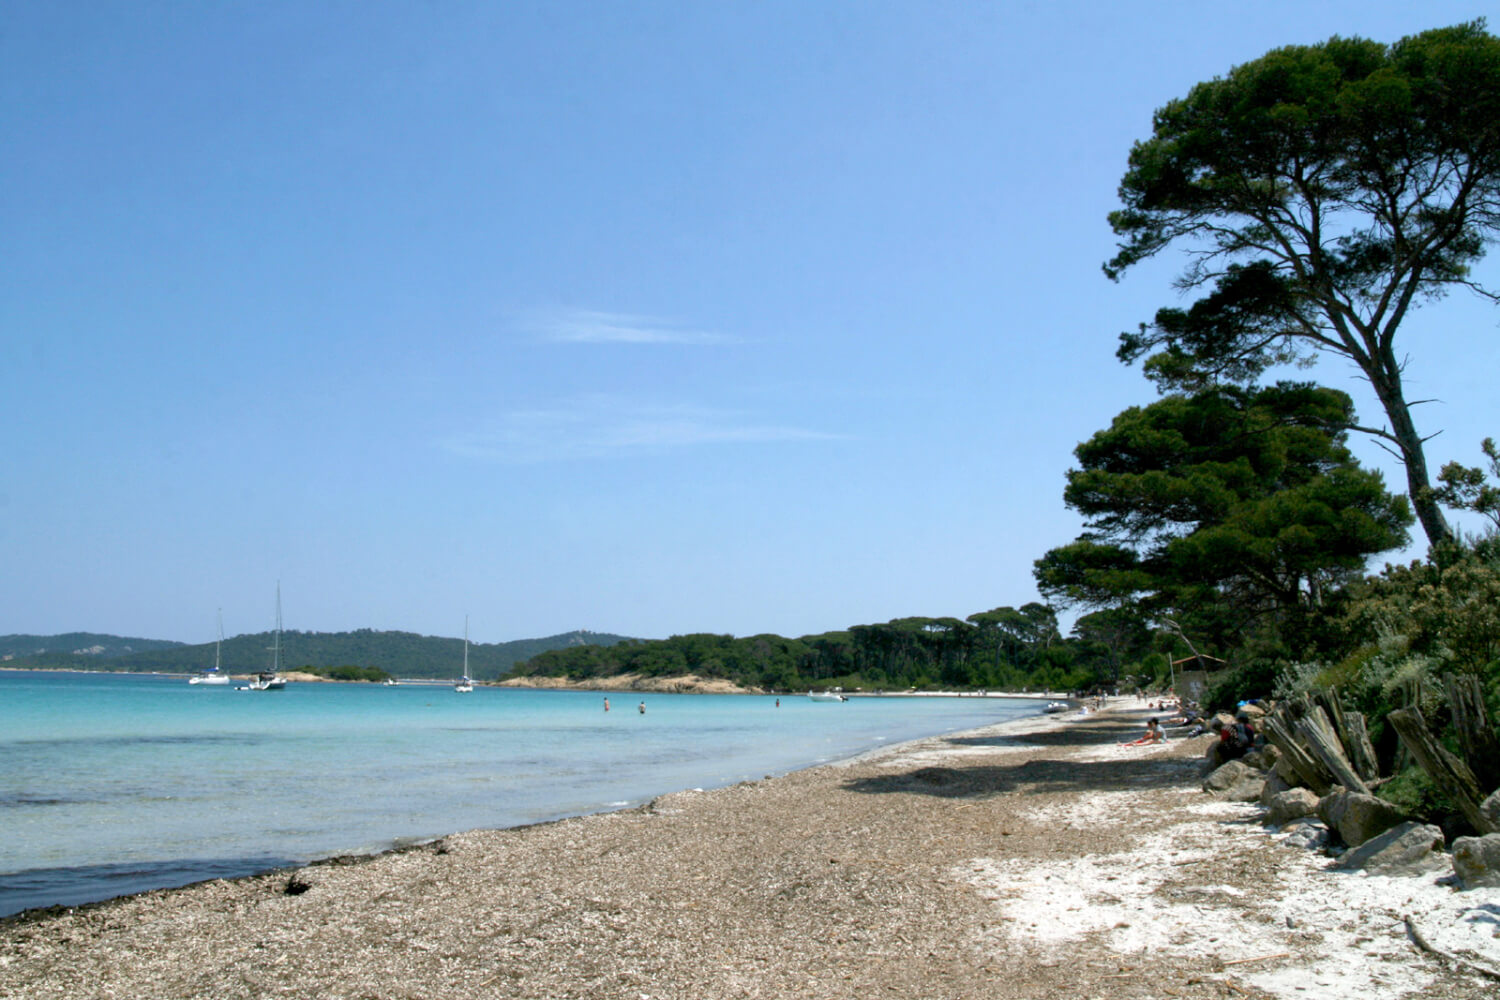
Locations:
(220, 641)
(466, 647)
(276, 646)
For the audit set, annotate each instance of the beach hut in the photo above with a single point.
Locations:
(1191, 675)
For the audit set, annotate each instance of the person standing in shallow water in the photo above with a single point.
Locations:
(606, 704)
(643, 708)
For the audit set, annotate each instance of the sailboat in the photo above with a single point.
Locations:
(272, 680)
(465, 683)
(213, 676)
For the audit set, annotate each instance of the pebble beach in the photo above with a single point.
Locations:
(1037, 858)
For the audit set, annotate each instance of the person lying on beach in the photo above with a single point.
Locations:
(1153, 735)
(1187, 717)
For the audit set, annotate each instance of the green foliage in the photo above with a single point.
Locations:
(1227, 506)
(1003, 649)
(1465, 488)
(1412, 792)
(1246, 682)
(1321, 192)
(349, 673)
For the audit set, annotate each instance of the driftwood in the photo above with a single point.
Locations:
(1421, 942)
(1308, 769)
(1323, 742)
(1361, 750)
(1448, 772)
(1475, 734)
(1353, 736)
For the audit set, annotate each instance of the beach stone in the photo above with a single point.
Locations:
(1357, 817)
(1308, 833)
(1227, 776)
(1490, 808)
(1283, 770)
(1262, 758)
(1254, 711)
(1245, 790)
(1273, 787)
(1409, 849)
(1292, 804)
(1476, 860)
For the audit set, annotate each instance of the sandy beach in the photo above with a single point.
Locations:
(1029, 860)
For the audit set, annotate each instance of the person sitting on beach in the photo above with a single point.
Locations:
(1244, 732)
(1153, 735)
(1234, 742)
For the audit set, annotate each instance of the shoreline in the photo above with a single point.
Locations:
(267, 863)
(1030, 858)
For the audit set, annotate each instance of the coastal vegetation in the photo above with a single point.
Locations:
(371, 675)
(1005, 648)
(1319, 194)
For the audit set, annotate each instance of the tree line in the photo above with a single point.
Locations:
(1006, 648)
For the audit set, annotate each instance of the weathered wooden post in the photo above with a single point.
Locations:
(1448, 772)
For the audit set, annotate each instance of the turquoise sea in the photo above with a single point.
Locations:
(112, 784)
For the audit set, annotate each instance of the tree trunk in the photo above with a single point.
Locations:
(1385, 377)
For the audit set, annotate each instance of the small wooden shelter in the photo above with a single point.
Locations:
(1190, 675)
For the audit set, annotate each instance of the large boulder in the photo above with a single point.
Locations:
(1409, 849)
(1226, 776)
(1289, 805)
(1273, 787)
(1490, 808)
(1245, 790)
(1476, 860)
(1357, 817)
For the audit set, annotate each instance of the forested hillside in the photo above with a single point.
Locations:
(1007, 648)
(90, 644)
(404, 654)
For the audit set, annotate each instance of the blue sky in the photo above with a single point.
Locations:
(645, 318)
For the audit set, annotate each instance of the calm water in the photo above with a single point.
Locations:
(111, 784)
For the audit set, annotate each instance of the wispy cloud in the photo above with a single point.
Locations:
(589, 326)
(603, 427)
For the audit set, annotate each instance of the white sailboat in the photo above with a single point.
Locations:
(212, 676)
(465, 683)
(272, 680)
